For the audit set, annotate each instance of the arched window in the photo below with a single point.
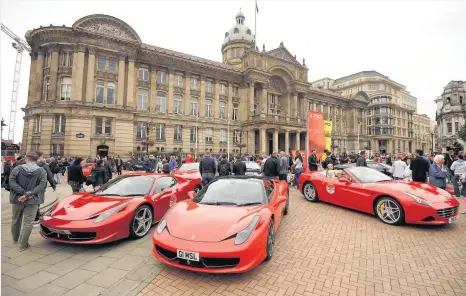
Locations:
(161, 103)
(236, 31)
(448, 100)
(193, 110)
(65, 88)
(46, 88)
(143, 99)
(248, 31)
(111, 93)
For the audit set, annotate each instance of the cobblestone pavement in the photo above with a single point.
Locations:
(320, 250)
(327, 250)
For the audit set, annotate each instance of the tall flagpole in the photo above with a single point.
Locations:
(256, 10)
(197, 134)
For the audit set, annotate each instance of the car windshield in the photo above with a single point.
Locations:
(252, 166)
(236, 192)
(189, 167)
(368, 175)
(127, 186)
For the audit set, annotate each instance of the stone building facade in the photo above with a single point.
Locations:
(389, 114)
(423, 134)
(451, 113)
(96, 88)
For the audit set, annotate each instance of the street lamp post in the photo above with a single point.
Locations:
(359, 128)
(148, 127)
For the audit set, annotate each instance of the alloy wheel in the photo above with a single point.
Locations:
(142, 221)
(388, 211)
(309, 192)
(270, 241)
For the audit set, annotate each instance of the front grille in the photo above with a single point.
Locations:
(204, 262)
(448, 212)
(74, 236)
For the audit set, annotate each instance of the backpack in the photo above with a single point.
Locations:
(223, 170)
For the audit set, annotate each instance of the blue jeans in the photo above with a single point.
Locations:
(297, 173)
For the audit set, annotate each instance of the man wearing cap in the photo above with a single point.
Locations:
(27, 189)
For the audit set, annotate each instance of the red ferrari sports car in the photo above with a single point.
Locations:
(87, 167)
(190, 171)
(228, 227)
(126, 206)
(394, 202)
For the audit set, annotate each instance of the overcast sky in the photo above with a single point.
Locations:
(420, 44)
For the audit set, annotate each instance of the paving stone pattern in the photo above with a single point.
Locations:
(320, 250)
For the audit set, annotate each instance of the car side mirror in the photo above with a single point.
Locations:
(191, 194)
(344, 181)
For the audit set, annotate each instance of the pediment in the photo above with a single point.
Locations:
(283, 54)
(108, 26)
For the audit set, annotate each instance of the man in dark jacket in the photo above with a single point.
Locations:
(224, 167)
(362, 159)
(108, 168)
(207, 168)
(119, 165)
(239, 168)
(272, 166)
(41, 162)
(419, 168)
(312, 161)
(27, 189)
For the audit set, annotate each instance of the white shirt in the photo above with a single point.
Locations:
(399, 168)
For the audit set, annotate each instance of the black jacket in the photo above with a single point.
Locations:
(108, 168)
(99, 176)
(420, 168)
(75, 173)
(207, 165)
(312, 161)
(54, 168)
(271, 167)
(224, 168)
(239, 168)
(361, 161)
(49, 174)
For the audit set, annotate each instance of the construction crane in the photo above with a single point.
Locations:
(20, 46)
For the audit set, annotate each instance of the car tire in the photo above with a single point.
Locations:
(389, 211)
(143, 215)
(269, 247)
(287, 206)
(310, 192)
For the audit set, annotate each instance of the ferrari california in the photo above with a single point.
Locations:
(189, 171)
(228, 227)
(87, 168)
(394, 202)
(126, 206)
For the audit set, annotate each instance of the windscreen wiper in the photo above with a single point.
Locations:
(133, 194)
(218, 203)
(249, 204)
(110, 194)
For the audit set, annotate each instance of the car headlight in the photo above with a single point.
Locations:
(244, 234)
(110, 212)
(419, 200)
(162, 225)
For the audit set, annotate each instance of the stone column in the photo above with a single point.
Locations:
(46, 134)
(77, 76)
(32, 80)
(121, 79)
(153, 89)
(251, 98)
(216, 102)
(263, 141)
(230, 103)
(169, 96)
(169, 137)
(298, 141)
(90, 90)
(187, 94)
(314, 106)
(295, 105)
(54, 85)
(287, 141)
(275, 140)
(263, 101)
(30, 131)
(287, 107)
(131, 87)
(39, 80)
(250, 142)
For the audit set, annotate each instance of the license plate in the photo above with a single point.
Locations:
(59, 231)
(191, 256)
(453, 219)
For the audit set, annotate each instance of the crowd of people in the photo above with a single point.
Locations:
(28, 176)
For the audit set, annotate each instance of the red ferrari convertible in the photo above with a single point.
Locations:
(87, 168)
(125, 206)
(228, 227)
(190, 171)
(394, 202)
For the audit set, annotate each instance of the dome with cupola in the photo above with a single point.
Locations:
(239, 32)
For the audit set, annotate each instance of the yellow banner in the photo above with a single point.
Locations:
(328, 134)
